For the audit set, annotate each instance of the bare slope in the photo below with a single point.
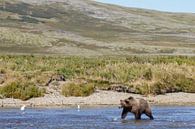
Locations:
(83, 27)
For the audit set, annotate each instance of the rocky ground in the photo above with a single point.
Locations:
(99, 98)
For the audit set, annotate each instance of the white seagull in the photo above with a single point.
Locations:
(78, 107)
(23, 107)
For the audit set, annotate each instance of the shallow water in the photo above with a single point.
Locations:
(174, 117)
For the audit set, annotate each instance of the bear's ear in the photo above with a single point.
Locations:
(130, 97)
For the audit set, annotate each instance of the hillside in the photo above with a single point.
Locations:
(89, 28)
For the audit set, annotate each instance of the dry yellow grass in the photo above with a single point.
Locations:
(17, 37)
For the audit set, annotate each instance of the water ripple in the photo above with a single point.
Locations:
(175, 117)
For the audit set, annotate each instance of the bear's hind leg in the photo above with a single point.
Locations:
(137, 116)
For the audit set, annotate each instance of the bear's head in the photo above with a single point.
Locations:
(126, 103)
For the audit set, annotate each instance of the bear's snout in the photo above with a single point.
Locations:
(122, 102)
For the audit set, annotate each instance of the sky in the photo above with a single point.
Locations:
(161, 5)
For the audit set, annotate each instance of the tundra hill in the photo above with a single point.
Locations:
(89, 28)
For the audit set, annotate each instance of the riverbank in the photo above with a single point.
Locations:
(99, 98)
(21, 79)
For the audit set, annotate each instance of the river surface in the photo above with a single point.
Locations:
(165, 117)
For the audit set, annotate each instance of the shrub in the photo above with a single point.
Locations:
(2, 71)
(100, 84)
(168, 84)
(77, 90)
(23, 91)
(145, 89)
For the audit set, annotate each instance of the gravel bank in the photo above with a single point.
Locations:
(99, 98)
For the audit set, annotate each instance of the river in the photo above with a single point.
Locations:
(165, 117)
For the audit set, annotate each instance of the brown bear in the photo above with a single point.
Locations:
(135, 106)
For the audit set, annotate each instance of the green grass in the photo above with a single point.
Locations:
(145, 74)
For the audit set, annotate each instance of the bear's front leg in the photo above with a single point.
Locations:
(124, 113)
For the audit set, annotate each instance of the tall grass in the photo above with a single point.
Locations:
(145, 74)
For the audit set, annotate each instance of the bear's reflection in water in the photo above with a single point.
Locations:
(137, 122)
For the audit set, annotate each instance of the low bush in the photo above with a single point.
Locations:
(73, 89)
(23, 91)
(169, 84)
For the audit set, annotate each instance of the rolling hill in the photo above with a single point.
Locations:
(90, 28)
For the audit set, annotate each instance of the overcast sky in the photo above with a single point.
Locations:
(162, 5)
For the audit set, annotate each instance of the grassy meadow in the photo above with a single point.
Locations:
(24, 77)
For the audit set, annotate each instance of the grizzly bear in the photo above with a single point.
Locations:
(135, 106)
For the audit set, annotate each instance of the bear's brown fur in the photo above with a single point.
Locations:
(135, 106)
